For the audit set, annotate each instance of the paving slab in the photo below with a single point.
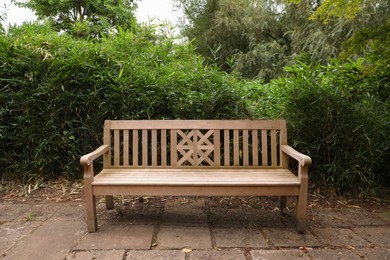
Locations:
(217, 228)
(239, 237)
(360, 217)
(345, 217)
(373, 253)
(292, 254)
(327, 254)
(155, 254)
(385, 215)
(289, 237)
(221, 217)
(178, 237)
(52, 240)
(129, 213)
(263, 218)
(41, 212)
(70, 211)
(377, 236)
(13, 231)
(118, 237)
(6, 245)
(97, 254)
(233, 254)
(183, 210)
(339, 237)
(12, 211)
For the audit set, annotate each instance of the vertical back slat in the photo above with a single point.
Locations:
(245, 147)
(107, 141)
(163, 147)
(144, 147)
(135, 147)
(116, 147)
(274, 156)
(226, 149)
(283, 141)
(196, 160)
(255, 147)
(264, 147)
(126, 147)
(217, 148)
(154, 147)
(173, 148)
(236, 147)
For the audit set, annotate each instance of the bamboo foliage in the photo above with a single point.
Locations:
(56, 91)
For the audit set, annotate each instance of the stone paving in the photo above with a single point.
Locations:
(188, 229)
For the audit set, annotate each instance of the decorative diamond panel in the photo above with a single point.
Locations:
(195, 148)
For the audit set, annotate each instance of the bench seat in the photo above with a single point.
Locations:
(199, 182)
(191, 177)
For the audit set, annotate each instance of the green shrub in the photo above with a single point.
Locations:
(56, 91)
(336, 118)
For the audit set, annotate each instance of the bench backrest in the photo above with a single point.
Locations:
(195, 143)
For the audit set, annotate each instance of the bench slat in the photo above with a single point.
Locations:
(195, 124)
(116, 147)
(144, 147)
(245, 148)
(126, 147)
(217, 147)
(236, 147)
(135, 147)
(255, 147)
(274, 156)
(226, 137)
(154, 147)
(221, 177)
(264, 148)
(159, 190)
(163, 147)
(173, 147)
(194, 149)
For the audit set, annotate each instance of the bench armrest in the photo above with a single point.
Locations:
(303, 159)
(86, 160)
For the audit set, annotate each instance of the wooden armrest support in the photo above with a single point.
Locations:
(303, 159)
(87, 159)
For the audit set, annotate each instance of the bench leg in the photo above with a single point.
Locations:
(282, 202)
(301, 214)
(302, 207)
(109, 202)
(91, 213)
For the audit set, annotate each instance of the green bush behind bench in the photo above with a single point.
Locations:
(57, 90)
(340, 119)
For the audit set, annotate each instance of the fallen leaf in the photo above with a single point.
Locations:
(187, 250)
(304, 249)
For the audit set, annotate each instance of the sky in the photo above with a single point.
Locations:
(160, 9)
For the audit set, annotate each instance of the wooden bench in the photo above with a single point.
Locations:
(195, 158)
